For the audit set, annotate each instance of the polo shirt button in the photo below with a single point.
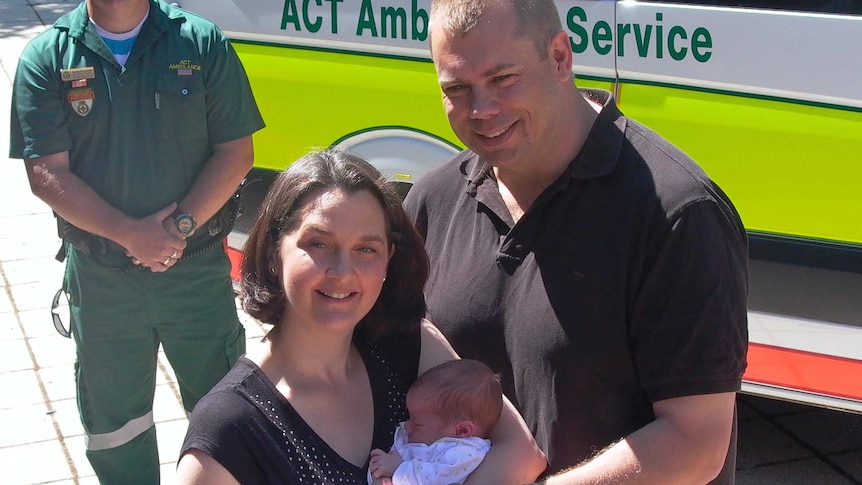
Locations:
(519, 247)
(185, 91)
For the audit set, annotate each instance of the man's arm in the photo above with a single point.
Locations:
(219, 179)
(232, 116)
(154, 238)
(145, 239)
(686, 444)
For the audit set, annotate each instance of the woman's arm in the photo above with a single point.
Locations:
(198, 468)
(514, 457)
(435, 349)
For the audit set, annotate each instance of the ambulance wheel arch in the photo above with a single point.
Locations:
(403, 155)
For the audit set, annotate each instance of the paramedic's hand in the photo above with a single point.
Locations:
(170, 227)
(383, 464)
(150, 245)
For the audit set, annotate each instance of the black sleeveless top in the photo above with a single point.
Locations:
(246, 425)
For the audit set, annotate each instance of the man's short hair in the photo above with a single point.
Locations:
(536, 19)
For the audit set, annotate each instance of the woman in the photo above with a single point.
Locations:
(334, 264)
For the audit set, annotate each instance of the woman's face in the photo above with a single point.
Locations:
(333, 264)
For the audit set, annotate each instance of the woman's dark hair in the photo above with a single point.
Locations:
(401, 300)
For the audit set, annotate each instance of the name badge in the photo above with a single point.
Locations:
(77, 73)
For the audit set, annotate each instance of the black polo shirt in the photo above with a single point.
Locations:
(624, 284)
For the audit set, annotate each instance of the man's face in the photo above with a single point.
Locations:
(501, 95)
(105, 13)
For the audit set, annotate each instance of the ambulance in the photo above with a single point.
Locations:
(766, 95)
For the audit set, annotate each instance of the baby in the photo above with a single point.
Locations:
(452, 407)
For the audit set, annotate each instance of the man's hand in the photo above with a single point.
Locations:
(154, 241)
(383, 464)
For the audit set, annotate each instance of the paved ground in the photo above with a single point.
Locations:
(41, 440)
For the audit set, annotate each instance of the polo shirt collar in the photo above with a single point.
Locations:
(600, 153)
(482, 186)
(77, 23)
(160, 17)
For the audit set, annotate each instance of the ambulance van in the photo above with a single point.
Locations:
(766, 95)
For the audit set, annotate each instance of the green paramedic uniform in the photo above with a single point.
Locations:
(138, 135)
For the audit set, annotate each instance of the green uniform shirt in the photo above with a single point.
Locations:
(138, 135)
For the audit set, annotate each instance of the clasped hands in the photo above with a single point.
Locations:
(154, 241)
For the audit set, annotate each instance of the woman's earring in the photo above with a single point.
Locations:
(384, 279)
(272, 270)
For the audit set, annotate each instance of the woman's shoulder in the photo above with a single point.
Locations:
(231, 410)
(231, 396)
(233, 424)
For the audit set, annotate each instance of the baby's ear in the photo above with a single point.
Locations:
(465, 428)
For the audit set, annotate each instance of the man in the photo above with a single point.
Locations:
(583, 257)
(134, 119)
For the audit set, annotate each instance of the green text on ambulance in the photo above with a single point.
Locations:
(650, 40)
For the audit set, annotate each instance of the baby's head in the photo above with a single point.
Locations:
(459, 398)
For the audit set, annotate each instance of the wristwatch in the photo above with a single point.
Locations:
(186, 223)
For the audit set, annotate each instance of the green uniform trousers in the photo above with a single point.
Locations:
(118, 320)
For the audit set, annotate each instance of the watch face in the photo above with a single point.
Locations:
(185, 224)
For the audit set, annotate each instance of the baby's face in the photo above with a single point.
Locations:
(424, 426)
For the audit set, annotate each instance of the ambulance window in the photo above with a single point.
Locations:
(830, 6)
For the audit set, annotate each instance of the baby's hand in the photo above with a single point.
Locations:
(382, 481)
(383, 464)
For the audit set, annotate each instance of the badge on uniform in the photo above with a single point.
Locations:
(77, 73)
(81, 100)
(81, 97)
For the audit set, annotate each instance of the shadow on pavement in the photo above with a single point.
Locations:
(20, 17)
